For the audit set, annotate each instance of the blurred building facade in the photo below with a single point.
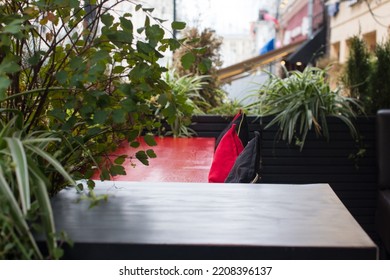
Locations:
(303, 21)
(369, 19)
(299, 37)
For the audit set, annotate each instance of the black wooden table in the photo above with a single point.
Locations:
(211, 221)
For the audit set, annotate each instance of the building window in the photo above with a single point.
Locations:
(335, 51)
(370, 40)
(347, 50)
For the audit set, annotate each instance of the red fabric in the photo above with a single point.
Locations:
(237, 115)
(225, 156)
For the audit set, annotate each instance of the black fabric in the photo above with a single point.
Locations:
(247, 167)
(242, 129)
(310, 50)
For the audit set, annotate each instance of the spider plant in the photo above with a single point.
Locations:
(181, 102)
(302, 101)
(25, 206)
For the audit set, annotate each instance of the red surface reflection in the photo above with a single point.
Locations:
(178, 160)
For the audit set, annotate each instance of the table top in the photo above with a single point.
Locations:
(192, 156)
(269, 220)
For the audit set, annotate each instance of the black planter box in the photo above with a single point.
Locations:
(333, 161)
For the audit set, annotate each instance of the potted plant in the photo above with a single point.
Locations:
(302, 101)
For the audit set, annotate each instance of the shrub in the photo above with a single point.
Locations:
(357, 73)
(380, 78)
(177, 105)
(203, 60)
(75, 81)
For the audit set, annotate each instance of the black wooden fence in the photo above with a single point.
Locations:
(336, 162)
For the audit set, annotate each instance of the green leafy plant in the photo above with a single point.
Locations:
(25, 167)
(183, 100)
(358, 68)
(302, 101)
(76, 78)
(229, 108)
(86, 73)
(379, 78)
(366, 75)
(200, 55)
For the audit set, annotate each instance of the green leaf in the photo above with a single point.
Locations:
(151, 153)
(187, 60)
(45, 209)
(80, 186)
(178, 25)
(154, 33)
(117, 170)
(77, 63)
(138, 7)
(126, 24)
(9, 65)
(129, 105)
(4, 84)
(133, 134)
(145, 48)
(51, 160)
(118, 69)
(19, 158)
(160, 20)
(201, 50)
(14, 27)
(173, 44)
(163, 100)
(205, 65)
(34, 59)
(142, 157)
(149, 139)
(150, 10)
(140, 30)
(107, 19)
(61, 76)
(58, 253)
(147, 21)
(119, 116)
(58, 113)
(89, 173)
(135, 144)
(100, 117)
(120, 160)
(16, 213)
(105, 175)
(91, 184)
(76, 3)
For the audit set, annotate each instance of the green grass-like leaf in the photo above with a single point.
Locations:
(21, 170)
(53, 162)
(301, 102)
(18, 217)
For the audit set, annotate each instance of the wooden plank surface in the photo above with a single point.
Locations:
(195, 220)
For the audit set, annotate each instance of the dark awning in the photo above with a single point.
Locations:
(310, 50)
